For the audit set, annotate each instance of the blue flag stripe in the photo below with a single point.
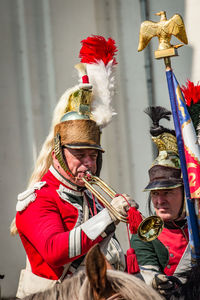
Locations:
(192, 218)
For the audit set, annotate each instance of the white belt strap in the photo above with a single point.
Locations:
(184, 263)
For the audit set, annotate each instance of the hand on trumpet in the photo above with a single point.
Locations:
(122, 204)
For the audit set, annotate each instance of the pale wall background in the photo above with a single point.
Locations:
(40, 42)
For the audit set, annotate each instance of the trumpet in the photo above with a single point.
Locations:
(91, 180)
(148, 230)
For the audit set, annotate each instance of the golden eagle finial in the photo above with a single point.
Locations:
(163, 29)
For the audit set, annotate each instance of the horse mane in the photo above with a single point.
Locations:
(98, 283)
(127, 287)
(68, 289)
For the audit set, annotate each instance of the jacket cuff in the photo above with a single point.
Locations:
(96, 225)
(148, 272)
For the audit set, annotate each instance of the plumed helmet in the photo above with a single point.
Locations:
(165, 171)
(88, 105)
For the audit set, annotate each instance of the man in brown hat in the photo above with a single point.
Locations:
(169, 254)
(58, 219)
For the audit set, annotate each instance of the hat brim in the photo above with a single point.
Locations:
(85, 146)
(163, 185)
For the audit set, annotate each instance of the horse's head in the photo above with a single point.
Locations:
(102, 282)
(96, 268)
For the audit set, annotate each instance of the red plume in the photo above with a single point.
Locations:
(96, 48)
(191, 93)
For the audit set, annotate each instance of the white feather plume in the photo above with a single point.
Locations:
(103, 83)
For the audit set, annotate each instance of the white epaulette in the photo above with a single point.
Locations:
(28, 196)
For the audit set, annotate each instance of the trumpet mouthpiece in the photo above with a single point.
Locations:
(88, 175)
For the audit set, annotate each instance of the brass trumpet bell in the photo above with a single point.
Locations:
(150, 228)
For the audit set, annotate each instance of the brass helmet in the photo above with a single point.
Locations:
(165, 171)
(88, 105)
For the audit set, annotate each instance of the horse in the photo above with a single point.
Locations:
(98, 282)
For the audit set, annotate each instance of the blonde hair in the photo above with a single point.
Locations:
(44, 159)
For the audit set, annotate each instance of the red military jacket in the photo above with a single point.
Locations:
(163, 254)
(50, 224)
(176, 241)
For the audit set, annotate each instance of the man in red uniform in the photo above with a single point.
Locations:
(169, 254)
(58, 219)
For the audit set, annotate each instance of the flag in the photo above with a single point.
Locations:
(189, 153)
(191, 146)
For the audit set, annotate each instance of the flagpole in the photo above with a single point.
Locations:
(174, 26)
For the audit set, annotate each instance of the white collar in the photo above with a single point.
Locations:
(62, 179)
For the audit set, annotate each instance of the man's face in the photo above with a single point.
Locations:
(167, 203)
(79, 161)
